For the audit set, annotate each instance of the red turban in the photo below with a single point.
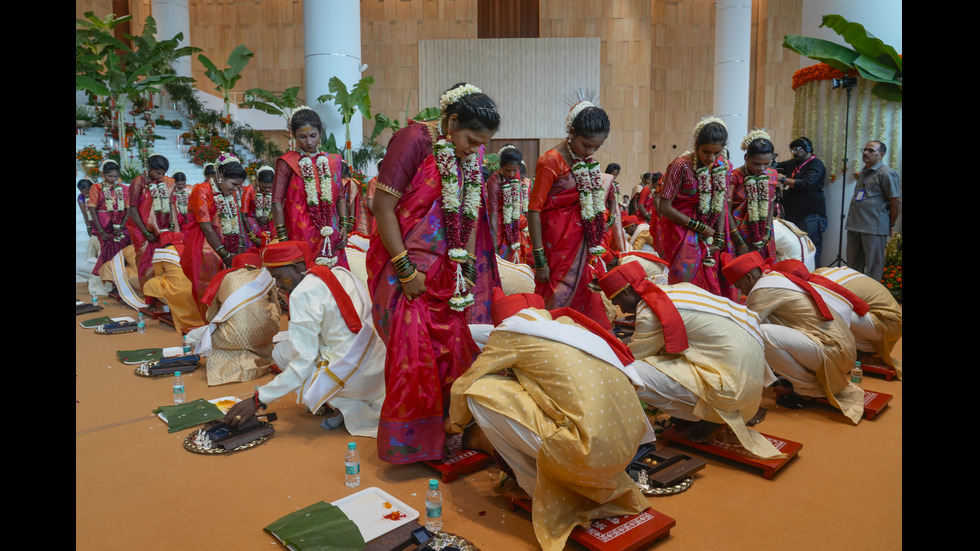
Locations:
(735, 268)
(505, 306)
(631, 274)
(246, 260)
(796, 268)
(285, 253)
(629, 220)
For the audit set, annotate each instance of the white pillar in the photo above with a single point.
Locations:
(733, 42)
(332, 36)
(172, 17)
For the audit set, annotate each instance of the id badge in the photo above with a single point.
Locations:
(860, 195)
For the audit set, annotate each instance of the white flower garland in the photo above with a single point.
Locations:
(711, 189)
(161, 203)
(228, 211)
(453, 202)
(263, 204)
(324, 194)
(115, 199)
(181, 197)
(456, 94)
(591, 196)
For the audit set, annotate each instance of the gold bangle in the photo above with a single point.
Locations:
(399, 255)
(409, 278)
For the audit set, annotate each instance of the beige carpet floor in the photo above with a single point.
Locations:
(136, 487)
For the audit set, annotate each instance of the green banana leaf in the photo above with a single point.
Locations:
(321, 527)
(833, 54)
(862, 41)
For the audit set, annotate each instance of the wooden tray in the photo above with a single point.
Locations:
(738, 453)
(625, 533)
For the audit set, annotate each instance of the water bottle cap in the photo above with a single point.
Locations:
(176, 373)
(351, 446)
(433, 484)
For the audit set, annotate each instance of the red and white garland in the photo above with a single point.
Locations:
(592, 201)
(712, 192)
(318, 185)
(757, 207)
(461, 208)
(161, 203)
(515, 204)
(115, 206)
(263, 204)
(229, 210)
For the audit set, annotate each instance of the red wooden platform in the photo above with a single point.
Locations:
(877, 366)
(466, 462)
(625, 533)
(736, 452)
(874, 402)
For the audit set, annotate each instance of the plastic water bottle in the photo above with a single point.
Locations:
(857, 374)
(179, 395)
(433, 507)
(140, 324)
(187, 347)
(352, 466)
(95, 299)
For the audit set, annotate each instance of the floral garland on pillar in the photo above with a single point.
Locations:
(461, 208)
(317, 183)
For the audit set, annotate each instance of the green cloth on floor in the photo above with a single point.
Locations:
(139, 356)
(319, 527)
(95, 322)
(182, 416)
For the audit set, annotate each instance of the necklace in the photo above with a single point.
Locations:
(160, 203)
(460, 206)
(711, 192)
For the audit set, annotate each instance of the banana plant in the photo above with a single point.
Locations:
(349, 103)
(873, 59)
(273, 103)
(226, 79)
(107, 66)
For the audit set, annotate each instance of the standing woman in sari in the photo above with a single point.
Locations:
(753, 197)
(694, 211)
(566, 215)
(431, 268)
(257, 207)
(216, 236)
(308, 202)
(506, 205)
(149, 212)
(180, 217)
(108, 205)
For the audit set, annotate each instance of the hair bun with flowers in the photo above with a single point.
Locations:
(226, 158)
(706, 120)
(506, 147)
(103, 163)
(297, 110)
(264, 168)
(755, 134)
(574, 111)
(456, 94)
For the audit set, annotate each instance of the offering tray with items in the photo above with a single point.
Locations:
(116, 327)
(167, 366)
(662, 472)
(216, 437)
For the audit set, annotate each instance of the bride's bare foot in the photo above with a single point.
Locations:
(510, 489)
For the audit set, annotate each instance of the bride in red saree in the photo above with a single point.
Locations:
(431, 268)
(566, 216)
(308, 201)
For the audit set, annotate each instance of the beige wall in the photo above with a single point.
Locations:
(656, 59)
